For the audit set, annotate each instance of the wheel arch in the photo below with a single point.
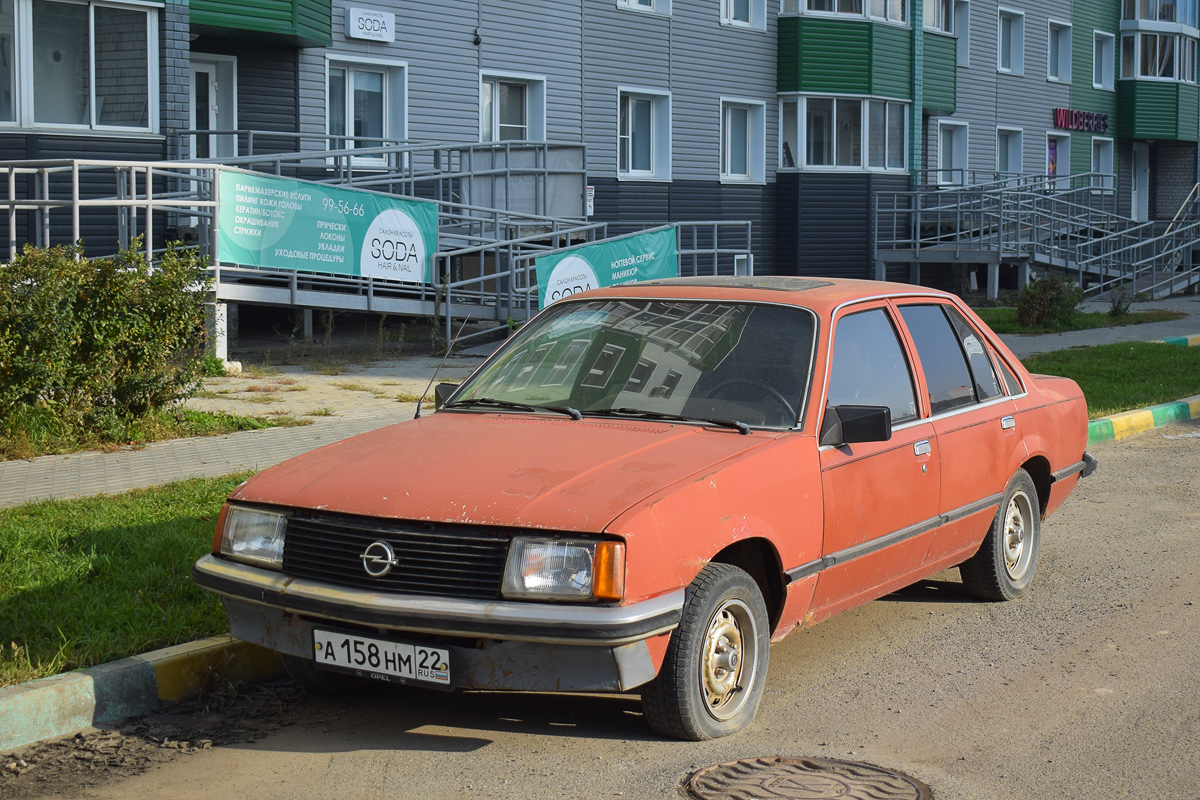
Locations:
(1038, 468)
(760, 560)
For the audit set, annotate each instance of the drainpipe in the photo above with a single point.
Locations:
(916, 112)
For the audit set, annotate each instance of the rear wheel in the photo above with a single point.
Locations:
(716, 663)
(1004, 566)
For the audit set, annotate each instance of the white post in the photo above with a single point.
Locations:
(218, 330)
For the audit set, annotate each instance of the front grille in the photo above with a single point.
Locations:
(463, 561)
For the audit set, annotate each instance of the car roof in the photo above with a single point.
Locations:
(819, 294)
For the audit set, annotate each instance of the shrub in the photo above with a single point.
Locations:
(93, 345)
(1048, 301)
(1119, 301)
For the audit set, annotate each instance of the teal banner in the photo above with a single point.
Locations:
(266, 221)
(641, 257)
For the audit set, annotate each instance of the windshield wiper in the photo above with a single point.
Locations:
(641, 413)
(492, 402)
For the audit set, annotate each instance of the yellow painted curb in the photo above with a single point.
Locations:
(183, 670)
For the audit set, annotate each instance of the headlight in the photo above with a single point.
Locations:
(564, 569)
(254, 536)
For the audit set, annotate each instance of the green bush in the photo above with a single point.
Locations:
(94, 345)
(1048, 301)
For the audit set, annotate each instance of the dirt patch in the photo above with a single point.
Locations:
(67, 767)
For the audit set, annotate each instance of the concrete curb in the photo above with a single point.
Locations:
(64, 704)
(1184, 341)
(1131, 423)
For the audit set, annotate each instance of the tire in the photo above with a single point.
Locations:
(715, 668)
(304, 673)
(1004, 566)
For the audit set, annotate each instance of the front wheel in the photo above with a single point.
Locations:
(1004, 566)
(716, 663)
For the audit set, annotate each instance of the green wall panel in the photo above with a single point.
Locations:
(1157, 110)
(301, 22)
(940, 73)
(844, 57)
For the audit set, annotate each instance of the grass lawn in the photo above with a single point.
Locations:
(32, 433)
(87, 581)
(1125, 376)
(1004, 320)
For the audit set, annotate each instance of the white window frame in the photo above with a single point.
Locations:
(660, 134)
(962, 30)
(790, 6)
(800, 157)
(535, 103)
(946, 175)
(1107, 66)
(662, 7)
(1061, 72)
(1017, 56)
(1107, 181)
(939, 7)
(757, 10)
(21, 62)
(1020, 149)
(395, 98)
(756, 140)
(867, 12)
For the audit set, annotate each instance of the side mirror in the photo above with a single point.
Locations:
(850, 424)
(441, 393)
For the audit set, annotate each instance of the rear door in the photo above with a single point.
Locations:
(972, 419)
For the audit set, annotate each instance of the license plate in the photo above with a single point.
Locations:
(380, 659)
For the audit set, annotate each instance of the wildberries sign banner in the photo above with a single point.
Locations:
(639, 257)
(277, 222)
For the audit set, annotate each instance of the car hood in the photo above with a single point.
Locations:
(498, 469)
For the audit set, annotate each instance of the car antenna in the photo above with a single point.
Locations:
(445, 355)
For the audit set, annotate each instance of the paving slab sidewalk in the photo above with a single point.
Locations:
(360, 401)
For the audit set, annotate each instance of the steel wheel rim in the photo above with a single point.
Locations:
(729, 659)
(1018, 528)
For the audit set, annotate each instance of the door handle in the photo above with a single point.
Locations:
(922, 448)
(1007, 422)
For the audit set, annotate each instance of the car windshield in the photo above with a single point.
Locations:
(729, 361)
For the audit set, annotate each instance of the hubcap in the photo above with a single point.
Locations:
(728, 659)
(1018, 525)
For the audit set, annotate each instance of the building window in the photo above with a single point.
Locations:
(962, 29)
(88, 65)
(742, 135)
(890, 10)
(1166, 56)
(1010, 55)
(1103, 50)
(1008, 151)
(653, 6)
(939, 15)
(952, 153)
(1058, 56)
(511, 108)
(644, 135)
(789, 7)
(365, 104)
(744, 13)
(1181, 11)
(850, 133)
(1102, 162)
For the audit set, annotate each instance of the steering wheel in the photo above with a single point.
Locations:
(767, 390)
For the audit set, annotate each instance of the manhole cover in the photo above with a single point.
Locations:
(804, 779)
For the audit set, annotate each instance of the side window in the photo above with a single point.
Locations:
(986, 385)
(946, 373)
(1011, 384)
(869, 368)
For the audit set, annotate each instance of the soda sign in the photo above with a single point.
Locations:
(363, 23)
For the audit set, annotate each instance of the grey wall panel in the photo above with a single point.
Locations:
(988, 98)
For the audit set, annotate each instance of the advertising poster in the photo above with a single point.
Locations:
(641, 257)
(277, 222)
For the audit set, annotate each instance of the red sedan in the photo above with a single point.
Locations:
(648, 484)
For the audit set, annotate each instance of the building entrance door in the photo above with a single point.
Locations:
(213, 105)
(1140, 186)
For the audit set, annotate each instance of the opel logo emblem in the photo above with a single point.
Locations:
(378, 559)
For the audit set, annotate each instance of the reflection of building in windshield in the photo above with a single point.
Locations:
(691, 329)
